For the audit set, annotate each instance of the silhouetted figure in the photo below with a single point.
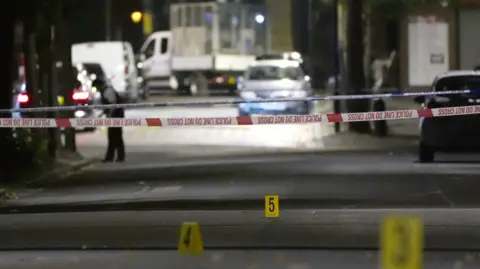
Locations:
(114, 134)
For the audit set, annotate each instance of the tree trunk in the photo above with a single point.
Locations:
(355, 66)
(7, 26)
(50, 72)
(66, 71)
(30, 51)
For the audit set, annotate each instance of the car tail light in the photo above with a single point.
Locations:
(79, 95)
(125, 70)
(23, 98)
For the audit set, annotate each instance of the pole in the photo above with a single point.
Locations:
(355, 65)
(108, 20)
(310, 36)
(336, 64)
(50, 74)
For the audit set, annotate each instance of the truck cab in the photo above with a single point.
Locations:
(155, 57)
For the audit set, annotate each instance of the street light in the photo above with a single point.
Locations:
(136, 16)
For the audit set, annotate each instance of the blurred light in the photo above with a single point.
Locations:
(23, 98)
(80, 114)
(248, 95)
(79, 95)
(295, 55)
(259, 18)
(208, 16)
(136, 16)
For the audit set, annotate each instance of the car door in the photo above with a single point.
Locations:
(148, 52)
(161, 67)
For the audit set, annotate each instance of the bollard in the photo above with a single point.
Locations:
(380, 127)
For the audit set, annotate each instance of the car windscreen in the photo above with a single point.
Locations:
(94, 69)
(271, 72)
(458, 83)
(74, 79)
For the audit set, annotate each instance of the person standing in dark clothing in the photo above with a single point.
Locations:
(114, 134)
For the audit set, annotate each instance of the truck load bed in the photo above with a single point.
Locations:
(216, 36)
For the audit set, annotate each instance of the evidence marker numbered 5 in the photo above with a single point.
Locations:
(272, 206)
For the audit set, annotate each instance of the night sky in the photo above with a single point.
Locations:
(90, 20)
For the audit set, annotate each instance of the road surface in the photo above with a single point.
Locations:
(311, 238)
(329, 179)
(293, 259)
(326, 201)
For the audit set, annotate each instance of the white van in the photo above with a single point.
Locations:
(117, 60)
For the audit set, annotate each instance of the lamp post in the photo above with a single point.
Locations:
(310, 37)
(108, 20)
(336, 63)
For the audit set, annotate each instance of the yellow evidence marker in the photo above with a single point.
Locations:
(190, 239)
(272, 206)
(402, 243)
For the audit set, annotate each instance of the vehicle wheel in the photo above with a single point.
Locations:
(145, 93)
(193, 89)
(306, 109)
(243, 113)
(232, 92)
(198, 85)
(426, 154)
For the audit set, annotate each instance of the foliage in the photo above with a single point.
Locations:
(394, 8)
(27, 151)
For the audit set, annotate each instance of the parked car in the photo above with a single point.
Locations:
(117, 61)
(452, 133)
(84, 93)
(270, 79)
(21, 99)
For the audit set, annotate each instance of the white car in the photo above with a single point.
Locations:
(275, 79)
(117, 61)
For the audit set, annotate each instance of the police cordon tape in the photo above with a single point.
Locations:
(240, 120)
(238, 101)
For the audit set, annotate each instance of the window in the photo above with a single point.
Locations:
(164, 45)
(293, 73)
(149, 50)
(95, 69)
(458, 83)
(267, 72)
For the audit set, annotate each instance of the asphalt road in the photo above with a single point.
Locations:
(326, 180)
(326, 202)
(346, 229)
(223, 259)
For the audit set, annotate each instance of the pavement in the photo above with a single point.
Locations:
(219, 138)
(224, 140)
(234, 259)
(406, 129)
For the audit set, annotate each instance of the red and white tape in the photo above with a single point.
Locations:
(242, 120)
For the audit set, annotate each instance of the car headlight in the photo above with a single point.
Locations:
(80, 114)
(247, 95)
